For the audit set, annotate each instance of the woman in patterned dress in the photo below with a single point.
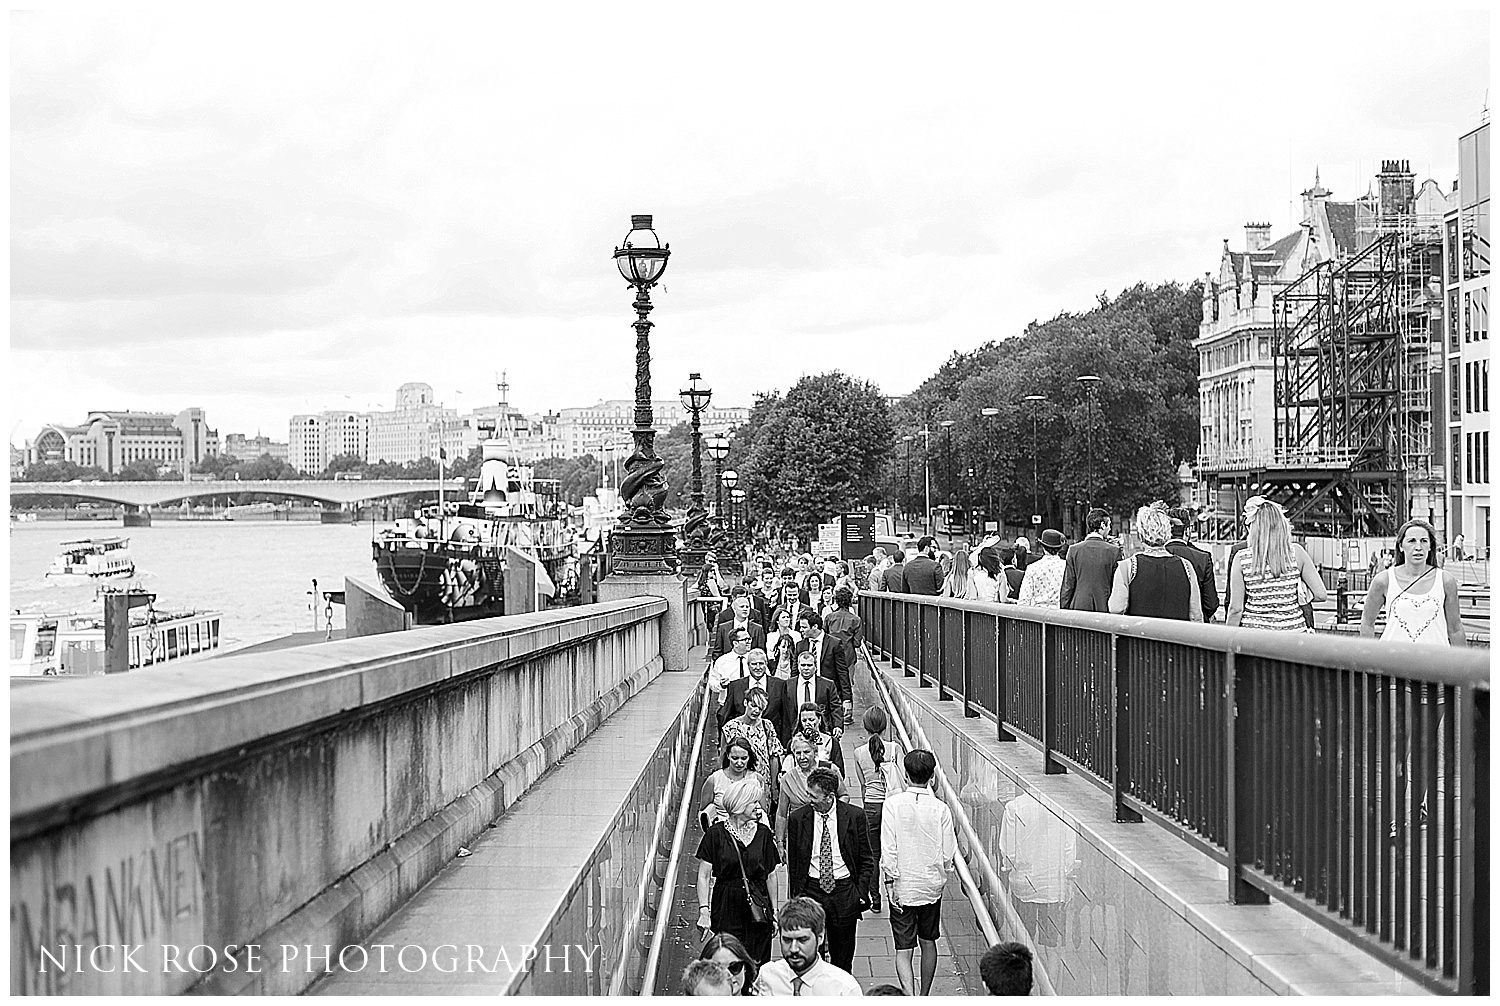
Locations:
(1263, 578)
(755, 730)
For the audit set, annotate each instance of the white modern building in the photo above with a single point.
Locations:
(416, 428)
(587, 429)
(1466, 287)
(315, 440)
(112, 440)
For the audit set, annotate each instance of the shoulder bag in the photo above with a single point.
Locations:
(758, 912)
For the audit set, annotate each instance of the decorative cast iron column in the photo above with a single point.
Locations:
(695, 530)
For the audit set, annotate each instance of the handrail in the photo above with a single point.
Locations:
(1407, 660)
(669, 882)
(965, 878)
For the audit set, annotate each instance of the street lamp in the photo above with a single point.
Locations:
(642, 539)
(947, 425)
(992, 414)
(729, 480)
(926, 480)
(695, 398)
(741, 519)
(906, 500)
(1090, 383)
(1036, 405)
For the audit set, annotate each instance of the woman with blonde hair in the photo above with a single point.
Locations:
(737, 854)
(1263, 579)
(956, 583)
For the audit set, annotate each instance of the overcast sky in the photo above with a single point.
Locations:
(271, 212)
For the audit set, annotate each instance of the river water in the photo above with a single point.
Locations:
(257, 574)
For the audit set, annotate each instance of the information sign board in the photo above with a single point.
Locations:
(858, 538)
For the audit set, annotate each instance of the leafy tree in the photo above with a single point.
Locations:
(341, 463)
(577, 477)
(267, 468)
(219, 466)
(140, 470)
(816, 452)
(60, 471)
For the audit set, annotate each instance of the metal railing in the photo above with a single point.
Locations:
(1285, 756)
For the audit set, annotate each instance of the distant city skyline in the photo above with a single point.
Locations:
(191, 226)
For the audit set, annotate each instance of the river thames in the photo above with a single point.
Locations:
(257, 574)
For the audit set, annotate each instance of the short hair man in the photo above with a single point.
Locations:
(741, 616)
(733, 665)
(800, 971)
(1089, 571)
(829, 860)
(923, 574)
(831, 658)
(917, 850)
(1202, 561)
(1006, 970)
(809, 688)
(706, 978)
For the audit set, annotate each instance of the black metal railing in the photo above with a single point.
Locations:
(1348, 778)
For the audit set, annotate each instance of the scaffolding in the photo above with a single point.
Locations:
(1352, 347)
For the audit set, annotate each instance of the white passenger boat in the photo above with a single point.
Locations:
(94, 559)
(72, 645)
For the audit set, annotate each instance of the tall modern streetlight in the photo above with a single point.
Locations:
(642, 541)
(906, 500)
(1090, 383)
(992, 415)
(695, 398)
(950, 477)
(1036, 405)
(926, 480)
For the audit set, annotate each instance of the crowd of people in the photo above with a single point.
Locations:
(850, 840)
(1271, 582)
(871, 837)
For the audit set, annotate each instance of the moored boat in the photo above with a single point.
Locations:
(72, 644)
(448, 562)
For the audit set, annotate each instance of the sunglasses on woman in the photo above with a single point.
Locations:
(736, 968)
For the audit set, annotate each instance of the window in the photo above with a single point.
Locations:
(1468, 317)
(1453, 321)
(1456, 453)
(1469, 457)
(1484, 385)
(1453, 411)
(1468, 387)
(1484, 455)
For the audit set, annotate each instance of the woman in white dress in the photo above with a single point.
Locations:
(1420, 599)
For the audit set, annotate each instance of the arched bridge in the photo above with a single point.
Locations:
(146, 494)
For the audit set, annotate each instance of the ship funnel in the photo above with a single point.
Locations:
(492, 481)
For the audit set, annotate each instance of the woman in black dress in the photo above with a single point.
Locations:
(738, 838)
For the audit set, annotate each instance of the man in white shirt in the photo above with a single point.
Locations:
(917, 849)
(731, 666)
(800, 971)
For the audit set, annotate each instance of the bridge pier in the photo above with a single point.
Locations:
(137, 516)
(336, 513)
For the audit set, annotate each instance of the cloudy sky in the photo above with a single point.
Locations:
(269, 211)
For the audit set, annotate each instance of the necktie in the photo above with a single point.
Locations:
(825, 857)
(742, 667)
(797, 984)
(807, 691)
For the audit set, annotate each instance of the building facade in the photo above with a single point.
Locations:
(590, 429)
(1466, 287)
(416, 428)
(237, 445)
(315, 440)
(112, 440)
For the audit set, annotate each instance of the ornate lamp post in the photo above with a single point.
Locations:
(642, 539)
(729, 480)
(695, 531)
(1036, 406)
(717, 447)
(1090, 383)
(741, 523)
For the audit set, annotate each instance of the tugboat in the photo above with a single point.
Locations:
(94, 559)
(447, 564)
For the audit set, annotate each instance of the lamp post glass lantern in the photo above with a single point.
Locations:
(642, 541)
(695, 530)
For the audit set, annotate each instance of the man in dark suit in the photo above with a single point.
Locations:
(1089, 573)
(793, 601)
(923, 575)
(831, 657)
(807, 687)
(789, 583)
(894, 580)
(829, 860)
(1202, 561)
(777, 696)
(739, 618)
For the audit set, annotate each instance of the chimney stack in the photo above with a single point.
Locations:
(1257, 236)
(1397, 187)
